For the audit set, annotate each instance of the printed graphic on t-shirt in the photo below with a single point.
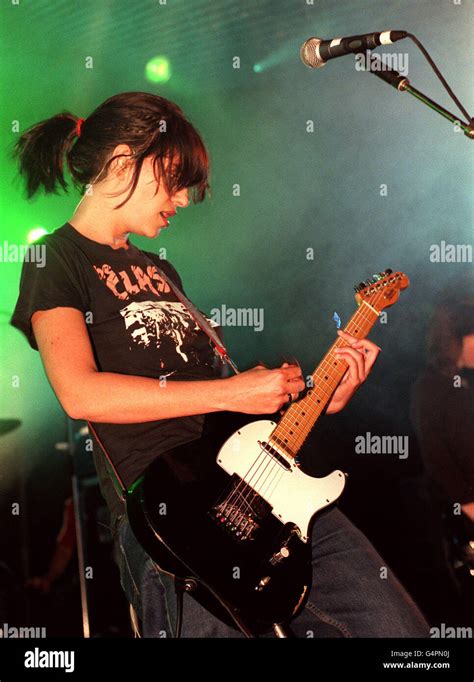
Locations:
(158, 325)
(150, 322)
(124, 284)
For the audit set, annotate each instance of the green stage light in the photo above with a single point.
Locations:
(35, 234)
(158, 70)
(257, 68)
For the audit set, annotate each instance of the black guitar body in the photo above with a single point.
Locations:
(173, 511)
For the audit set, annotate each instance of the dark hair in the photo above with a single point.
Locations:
(151, 125)
(451, 322)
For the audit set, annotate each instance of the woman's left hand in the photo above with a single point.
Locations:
(360, 355)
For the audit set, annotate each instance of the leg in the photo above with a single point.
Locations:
(354, 593)
(350, 597)
(151, 592)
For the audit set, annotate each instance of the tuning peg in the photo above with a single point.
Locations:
(361, 285)
(388, 271)
(376, 277)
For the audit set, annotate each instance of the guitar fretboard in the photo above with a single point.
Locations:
(297, 422)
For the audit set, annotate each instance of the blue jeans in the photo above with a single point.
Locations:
(354, 593)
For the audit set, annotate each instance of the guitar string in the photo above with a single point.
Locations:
(245, 483)
(236, 493)
(245, 494)
(288, 418)
(352, 323)
(370, 322)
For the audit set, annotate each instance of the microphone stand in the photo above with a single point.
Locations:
(402, 84)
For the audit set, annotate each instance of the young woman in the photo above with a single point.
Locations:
(110, 328)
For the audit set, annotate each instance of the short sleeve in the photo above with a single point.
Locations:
(47, 281)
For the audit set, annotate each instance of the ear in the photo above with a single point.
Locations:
(121, 164)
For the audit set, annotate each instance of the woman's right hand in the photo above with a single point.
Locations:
(264, 391)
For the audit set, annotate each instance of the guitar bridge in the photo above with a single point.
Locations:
(240, 511)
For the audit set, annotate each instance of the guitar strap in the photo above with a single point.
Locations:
(201, 321)
(218, 347)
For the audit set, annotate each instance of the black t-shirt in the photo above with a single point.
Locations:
(136, 325)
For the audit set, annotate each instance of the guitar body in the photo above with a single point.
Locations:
(234, 519)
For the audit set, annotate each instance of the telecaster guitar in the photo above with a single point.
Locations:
(231, 513)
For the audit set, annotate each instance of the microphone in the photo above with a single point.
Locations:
(316, 52)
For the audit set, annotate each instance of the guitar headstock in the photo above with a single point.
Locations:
(382, 290)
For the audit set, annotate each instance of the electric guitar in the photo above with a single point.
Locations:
(231, 512)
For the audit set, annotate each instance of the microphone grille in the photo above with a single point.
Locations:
(309, 53)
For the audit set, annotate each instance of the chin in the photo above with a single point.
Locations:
(152, 231)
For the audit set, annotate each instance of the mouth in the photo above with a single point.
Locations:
(166, 215)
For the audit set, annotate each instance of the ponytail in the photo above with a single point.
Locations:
(41, 150)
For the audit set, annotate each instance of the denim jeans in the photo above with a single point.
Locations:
(354, 593)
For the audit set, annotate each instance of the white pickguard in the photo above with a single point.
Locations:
(294, 496)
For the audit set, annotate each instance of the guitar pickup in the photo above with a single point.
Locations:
(275, 454)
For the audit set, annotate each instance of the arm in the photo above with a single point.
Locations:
(90, 395)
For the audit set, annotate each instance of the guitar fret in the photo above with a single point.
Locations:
(299, 419)
(282, 445)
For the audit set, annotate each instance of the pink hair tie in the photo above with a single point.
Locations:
(79, 123)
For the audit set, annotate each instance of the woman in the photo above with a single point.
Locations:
(121, 351)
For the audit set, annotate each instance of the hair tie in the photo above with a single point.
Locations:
(79, 123)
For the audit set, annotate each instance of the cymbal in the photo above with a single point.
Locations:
(7, 425)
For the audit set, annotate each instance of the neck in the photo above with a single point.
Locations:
(300, 417)
(96, 223)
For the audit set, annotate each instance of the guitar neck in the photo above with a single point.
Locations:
(298, 420)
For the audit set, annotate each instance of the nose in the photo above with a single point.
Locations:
(181, 198)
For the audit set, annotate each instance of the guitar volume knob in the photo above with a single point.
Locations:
(284, 553)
